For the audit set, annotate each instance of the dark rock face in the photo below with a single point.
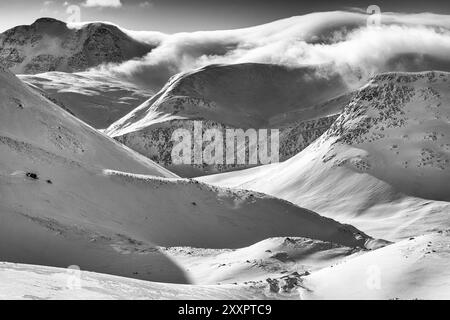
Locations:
(156, 142)
(49, 45)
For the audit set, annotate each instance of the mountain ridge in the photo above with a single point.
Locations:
(383, 165)
(300, 102)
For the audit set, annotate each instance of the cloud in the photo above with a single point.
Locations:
(146, 4)
(342, 41)
(103, 3)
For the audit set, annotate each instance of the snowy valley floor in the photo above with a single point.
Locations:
(278, 268)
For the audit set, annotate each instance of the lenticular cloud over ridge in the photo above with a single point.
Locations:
(341, 41)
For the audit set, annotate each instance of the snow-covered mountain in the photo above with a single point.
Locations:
(72, 196)
(302, 102)
(382, 166)
(93, 97)
(50, 45)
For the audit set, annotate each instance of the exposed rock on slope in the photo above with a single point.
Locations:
(402, 122)
(49, 45)
(387, 152)
(302, 102)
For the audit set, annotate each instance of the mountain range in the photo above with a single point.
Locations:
(357, 207)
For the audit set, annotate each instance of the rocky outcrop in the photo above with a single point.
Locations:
(156, 143)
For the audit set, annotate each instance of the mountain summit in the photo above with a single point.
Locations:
(51, 45)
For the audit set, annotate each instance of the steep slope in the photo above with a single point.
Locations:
(71, 196)
(302, 102)
(50, 45)
(95, 98)
(415, 268)
(374, 167)
(30, 121)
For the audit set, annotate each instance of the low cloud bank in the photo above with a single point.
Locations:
(340, 40)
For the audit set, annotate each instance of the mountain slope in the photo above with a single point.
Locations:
(240, 95)
(95, 98)
(29, 282)
(50, 45)
(70, 195)
(374, 167)
(414, 268)
(302, 102)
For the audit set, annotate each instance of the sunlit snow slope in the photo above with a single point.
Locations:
(382, 166)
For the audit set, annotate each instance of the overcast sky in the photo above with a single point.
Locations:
(192, 15)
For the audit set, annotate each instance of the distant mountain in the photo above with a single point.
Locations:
(384, 164)
(50, 45)
(302, 102)
(95, 98)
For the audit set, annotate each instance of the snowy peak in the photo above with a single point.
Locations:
(48, 25)
(245, 95)
(50, 45)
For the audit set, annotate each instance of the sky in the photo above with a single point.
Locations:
(172, 16)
